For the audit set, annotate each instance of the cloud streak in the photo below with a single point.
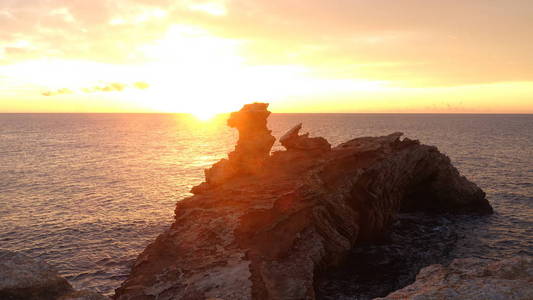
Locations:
(62, 91)
(110, 87)
(445, 42)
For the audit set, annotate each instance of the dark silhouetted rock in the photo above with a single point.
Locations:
(266, 233)
(25, 278)
(293, 141)
(374, 269)
(472, 278)
(252, 149)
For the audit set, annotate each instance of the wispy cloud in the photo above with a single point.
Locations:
(440, 41)
(231, 46)
(141, 85)
(110, 87)
(61, 91)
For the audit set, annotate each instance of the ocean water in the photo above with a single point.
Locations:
(87, 192)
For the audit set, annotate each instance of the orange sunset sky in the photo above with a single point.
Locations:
(212, 56)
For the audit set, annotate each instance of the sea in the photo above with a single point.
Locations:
(87, 192)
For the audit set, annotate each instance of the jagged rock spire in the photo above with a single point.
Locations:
(252, 149)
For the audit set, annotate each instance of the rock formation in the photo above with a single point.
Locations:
(293, 141)
(472, 278)
(253, 146)
(265, 231)
(24, 278)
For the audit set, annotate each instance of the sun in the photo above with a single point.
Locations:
(204, 115)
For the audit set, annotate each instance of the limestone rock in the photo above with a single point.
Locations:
(253, 147)
(472, 278)
(22, 277)
(293, 141)
(255, 140)
(267, 234)
(25, 278)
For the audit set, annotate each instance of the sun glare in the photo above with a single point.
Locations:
(196, 72)
(204, 115)
(188, 70)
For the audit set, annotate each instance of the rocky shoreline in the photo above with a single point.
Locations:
(264, 226)
(24, 278)
(354, 221)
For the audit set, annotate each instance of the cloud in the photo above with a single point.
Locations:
(113, 87)
(141, 85)
(61, 91)
(116, 87)
(428, 42)
(110, 87)
(444, 42)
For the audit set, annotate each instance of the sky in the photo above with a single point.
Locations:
(210, 56)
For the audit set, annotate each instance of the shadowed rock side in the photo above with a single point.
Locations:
(472, 278)
(265, 234)
(24, 278)
(374, 270)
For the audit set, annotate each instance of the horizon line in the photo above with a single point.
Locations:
(283, 113)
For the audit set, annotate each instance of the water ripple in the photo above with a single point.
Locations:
(87, 192)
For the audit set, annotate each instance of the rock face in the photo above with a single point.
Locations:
(293, 141)
(472, 278)
(24, 278)
(266, 234)
(253, 146)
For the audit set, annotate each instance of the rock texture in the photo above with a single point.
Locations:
(253, 146)
(266, 234)
(471, 278)
(24, 278)
(293, 141)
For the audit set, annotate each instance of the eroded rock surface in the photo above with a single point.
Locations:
(472, 278)
(292, 140)
(25, 278)
(266, 234)
(253, 146)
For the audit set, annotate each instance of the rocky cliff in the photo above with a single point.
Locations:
(263, 226)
